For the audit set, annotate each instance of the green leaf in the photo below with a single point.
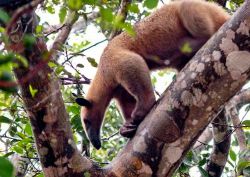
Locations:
(62, 14)
(7, 77)
(242, 165)
(52, 64)
(246, 171)
(6, 168)
(134, 8)
(202, 162)
(29, 41)
(92, 61)
(56, 2)
(79, 65)
(186, 48)
(232, 155)
(89, 2)
(107, 14)
(4, 119)
(22, 59)
(28, 129)
(203, 172)
(246, 123)
(32, 91)
(5, 58)
(73, 109)
(8, 154)
(59, 69)
(4, 16)
(39, 29)
(75, 4)
(50, 9)
(12, 131)
(150, 3)
(17, 149)
(40, 175)
(129, 29)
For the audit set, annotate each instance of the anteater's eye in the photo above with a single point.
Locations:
(87, 122)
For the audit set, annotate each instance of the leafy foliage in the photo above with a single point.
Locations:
(75, 62)
(6, 168)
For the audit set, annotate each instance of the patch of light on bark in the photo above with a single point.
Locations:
(227, 45)
(173, 154)
(194, 122)
(237, 63)
(244, 27)
(140, 144)
(216, 55)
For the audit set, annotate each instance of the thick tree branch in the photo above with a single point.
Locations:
(215, 74)
(232, 108)
(64, 33)
(222, 140)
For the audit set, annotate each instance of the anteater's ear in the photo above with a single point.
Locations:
(83, 102)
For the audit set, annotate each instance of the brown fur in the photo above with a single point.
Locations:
(124, 69)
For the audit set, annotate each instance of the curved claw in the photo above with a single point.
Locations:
(128, 130)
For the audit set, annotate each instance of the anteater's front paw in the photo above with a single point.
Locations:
(128, 130)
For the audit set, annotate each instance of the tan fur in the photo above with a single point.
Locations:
(124, 68)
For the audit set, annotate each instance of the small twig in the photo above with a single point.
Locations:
(122, 13)
(157, 93)
(111, 136)
(7, 137)
(83, 50)
(84, 77)
(55, 30)
(70, 81)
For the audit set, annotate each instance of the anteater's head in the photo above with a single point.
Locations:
(91, 120)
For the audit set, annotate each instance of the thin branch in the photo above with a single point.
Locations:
(111, 136)
(54, 30)
(71, 81)
(83, 50)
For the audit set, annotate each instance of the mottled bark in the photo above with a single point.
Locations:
(232, 108)
(222, 140)
(213, 76)
(65, 30)
(50, 123)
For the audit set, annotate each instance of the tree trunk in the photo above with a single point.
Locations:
(50, 122)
